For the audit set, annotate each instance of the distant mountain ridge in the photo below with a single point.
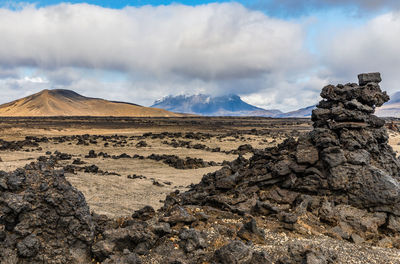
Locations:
(60, 102)
(202, 104)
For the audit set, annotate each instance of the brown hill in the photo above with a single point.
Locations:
(69, 103)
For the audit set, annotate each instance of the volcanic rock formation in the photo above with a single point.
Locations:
(346, 157)
(43, 219)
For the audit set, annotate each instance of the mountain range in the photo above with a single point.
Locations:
(69, 103)
(61, 102)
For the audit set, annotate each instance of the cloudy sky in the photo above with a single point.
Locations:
(275, 54)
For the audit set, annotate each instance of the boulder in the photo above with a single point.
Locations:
(365, 78)
(43, 217)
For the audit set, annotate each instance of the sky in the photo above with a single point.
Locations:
(274, 54)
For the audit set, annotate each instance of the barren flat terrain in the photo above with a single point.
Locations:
(171, 153)
(117, 184)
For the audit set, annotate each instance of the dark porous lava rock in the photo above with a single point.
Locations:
(43, 219)
(145, 213)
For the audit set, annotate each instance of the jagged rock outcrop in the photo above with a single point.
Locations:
(43, 219)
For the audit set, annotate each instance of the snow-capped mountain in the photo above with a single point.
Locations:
(201, 104)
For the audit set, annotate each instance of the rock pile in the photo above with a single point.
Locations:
(343, 174)
(182, 164)
(43, 219)
(18, 145)
(353, 149)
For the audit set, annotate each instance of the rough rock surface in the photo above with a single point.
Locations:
(345, 160)
(331, 196)
(43, 219)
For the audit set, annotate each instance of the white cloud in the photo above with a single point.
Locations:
(142, 54)
(367, 48)
(174, 49)
(14, 88)
(289, 95)
(215, 41)
(35, 79)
